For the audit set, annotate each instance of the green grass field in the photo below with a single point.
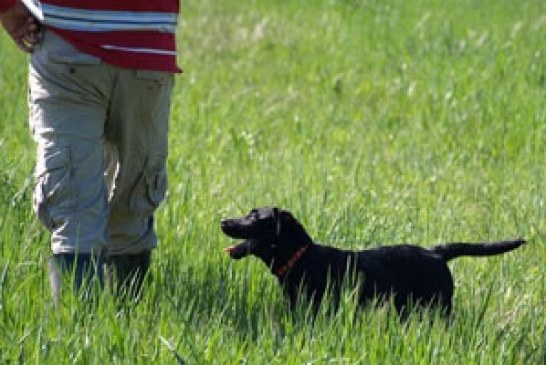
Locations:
(374, 122)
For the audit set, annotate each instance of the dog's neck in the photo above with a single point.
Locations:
(291, 236)
(288, 265)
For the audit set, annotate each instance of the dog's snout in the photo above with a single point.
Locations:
(229, 227)
(226, 223)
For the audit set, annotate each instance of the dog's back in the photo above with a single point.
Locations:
(408, 273)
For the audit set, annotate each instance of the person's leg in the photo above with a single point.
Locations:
(82, 271)
(126, 273)
(68, 102)
(137, 139)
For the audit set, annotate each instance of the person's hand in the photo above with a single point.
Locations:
(21, 26)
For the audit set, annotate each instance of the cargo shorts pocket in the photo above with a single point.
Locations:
(53, 192)
(149, 192)
(154, 84)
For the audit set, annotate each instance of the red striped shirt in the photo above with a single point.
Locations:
(6, 4)
(139, 34)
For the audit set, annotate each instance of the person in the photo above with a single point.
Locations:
(100, 86)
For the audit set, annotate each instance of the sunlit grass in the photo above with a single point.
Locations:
(374, 122)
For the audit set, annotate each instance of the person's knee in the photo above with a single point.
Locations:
(70, 198)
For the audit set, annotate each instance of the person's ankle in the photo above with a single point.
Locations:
(126, 274)
(82, 273)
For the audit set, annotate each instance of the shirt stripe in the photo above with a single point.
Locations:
(100, 26)
(140, 50)
(109, 15)
(102, 20)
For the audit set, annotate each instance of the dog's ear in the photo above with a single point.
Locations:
(282, 218)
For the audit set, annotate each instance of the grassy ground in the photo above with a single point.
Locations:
(375, 122)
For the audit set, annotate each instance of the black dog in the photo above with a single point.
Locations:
(407, 273)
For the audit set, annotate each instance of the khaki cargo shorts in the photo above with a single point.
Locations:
(101, 136)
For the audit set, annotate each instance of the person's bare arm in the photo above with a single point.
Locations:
(21, 26)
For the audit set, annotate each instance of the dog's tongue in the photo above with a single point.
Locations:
(236, 251)
(230, 249)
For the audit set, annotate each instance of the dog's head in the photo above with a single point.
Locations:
(269, 233)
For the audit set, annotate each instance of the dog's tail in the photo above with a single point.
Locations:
(453, 250)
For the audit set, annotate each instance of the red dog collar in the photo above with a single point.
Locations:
(292, 261)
